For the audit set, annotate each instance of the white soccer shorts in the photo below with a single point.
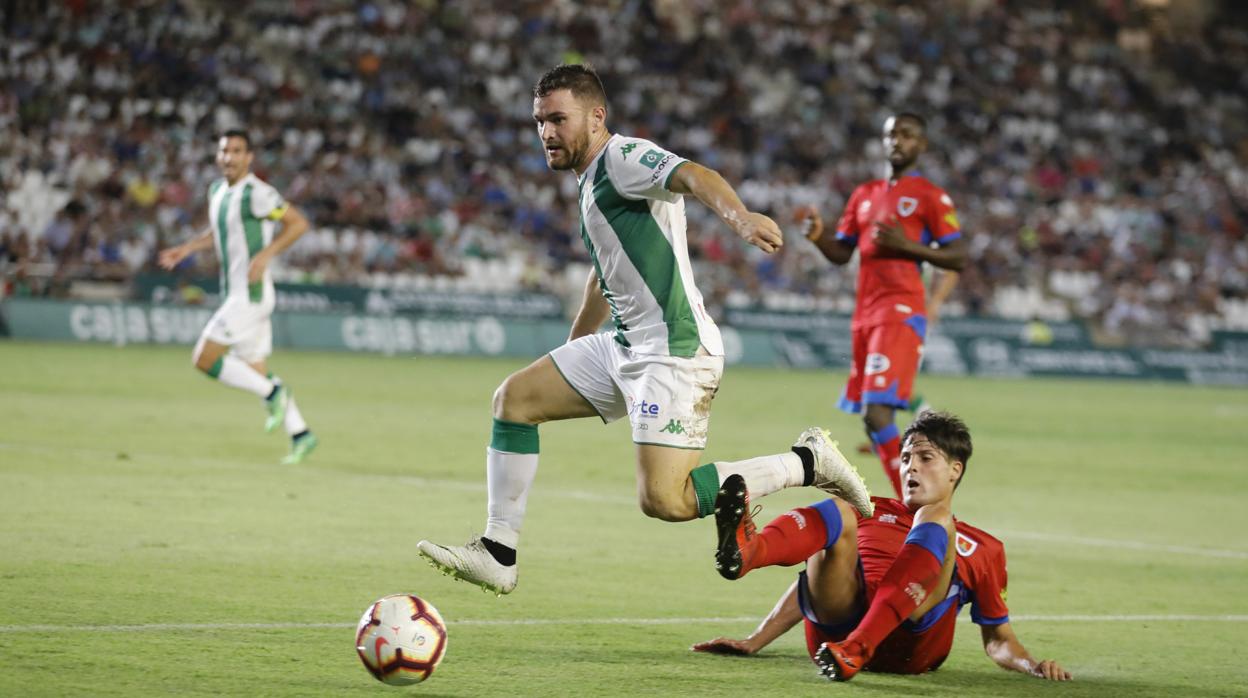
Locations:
(244, 326)
(667, 398)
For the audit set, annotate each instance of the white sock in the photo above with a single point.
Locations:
(765, 474)
(508, 476)
(294, 420)
(237, 374)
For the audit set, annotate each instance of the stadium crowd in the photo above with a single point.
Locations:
(1098, 154)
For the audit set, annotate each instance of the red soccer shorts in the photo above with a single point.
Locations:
(885, 363)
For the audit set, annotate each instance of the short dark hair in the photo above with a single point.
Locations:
(236, 133)
(580, 78)
(916, 118)
(946, 432)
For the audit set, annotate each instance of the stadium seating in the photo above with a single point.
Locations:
(1086, 147)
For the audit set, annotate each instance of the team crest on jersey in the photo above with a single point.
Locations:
(876, 363)
(906, 205)
(864, 207)
(944, 199)
(965, 545)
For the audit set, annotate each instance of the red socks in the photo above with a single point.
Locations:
(795, 535)
(906, 585)
(887, 443)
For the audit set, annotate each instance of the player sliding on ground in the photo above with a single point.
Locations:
(883, 592)
(662, 364)
(243, 211)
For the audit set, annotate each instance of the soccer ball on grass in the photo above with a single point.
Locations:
(401, 639)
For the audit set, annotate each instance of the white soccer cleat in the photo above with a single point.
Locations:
(471, 563)
(834, 473)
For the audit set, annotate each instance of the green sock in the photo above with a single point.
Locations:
(513, 437)
(705, 480)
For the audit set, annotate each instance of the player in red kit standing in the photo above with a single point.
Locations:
(880, 593)
(896, 224)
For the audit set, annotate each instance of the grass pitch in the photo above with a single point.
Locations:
(151, 544)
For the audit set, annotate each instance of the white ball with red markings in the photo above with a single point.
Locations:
(401, 639)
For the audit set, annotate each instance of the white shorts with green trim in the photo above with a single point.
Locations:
(667, 398)
(245, 327)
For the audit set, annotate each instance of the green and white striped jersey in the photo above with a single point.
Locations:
(634, 228)
(243, 219)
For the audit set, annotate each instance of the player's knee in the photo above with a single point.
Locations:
(509, 400)
(849, 520)
(876, 417)
(934, 513)
(202, 361)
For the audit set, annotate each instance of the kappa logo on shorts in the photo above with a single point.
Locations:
(965, 545)
(876, 363)
(674, 427)
(906, 205)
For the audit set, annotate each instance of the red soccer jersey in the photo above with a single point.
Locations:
(980, 579)
(890, 289)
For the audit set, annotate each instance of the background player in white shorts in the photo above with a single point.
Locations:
(662, 364)
(243, 212)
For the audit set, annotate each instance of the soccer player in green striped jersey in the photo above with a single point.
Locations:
(243, 214)
(661, 364)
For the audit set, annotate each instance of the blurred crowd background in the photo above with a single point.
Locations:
(1097, 151)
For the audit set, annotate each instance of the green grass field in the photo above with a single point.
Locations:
(150, 544)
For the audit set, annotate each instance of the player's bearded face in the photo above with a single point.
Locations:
(564, 125)
(927, 473)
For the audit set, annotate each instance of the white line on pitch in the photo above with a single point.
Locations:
(158, 627)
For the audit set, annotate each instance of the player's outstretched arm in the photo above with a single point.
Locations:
(594, 309)
(784, 616)
(171, 257)
(294, 225)
(714, 191)
(1003, 647)
(833, 249)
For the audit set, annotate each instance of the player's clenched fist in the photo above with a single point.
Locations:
(761, 232)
